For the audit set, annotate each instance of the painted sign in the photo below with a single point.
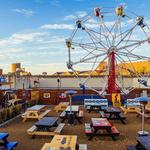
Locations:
(116, 99)
(46, 95)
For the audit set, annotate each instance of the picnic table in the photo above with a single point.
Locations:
(35, 112)
(61, 106)
(130, 106)
(102, 125)
(113, 113)
(46, 126)
(5, 144)
(46, 123)
(143, 142)
(71, 110)
(64, 142)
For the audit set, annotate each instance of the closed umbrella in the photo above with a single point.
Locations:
(143, 100)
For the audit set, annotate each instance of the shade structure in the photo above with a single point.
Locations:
(143, 100)
(70, 93)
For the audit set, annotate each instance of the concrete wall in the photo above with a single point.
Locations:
(72, 82)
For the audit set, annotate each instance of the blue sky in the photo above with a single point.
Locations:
(33, 32)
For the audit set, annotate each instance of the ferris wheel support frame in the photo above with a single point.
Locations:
(112, 86)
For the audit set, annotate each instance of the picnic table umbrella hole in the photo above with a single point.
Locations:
(143, 100)
(70, 93)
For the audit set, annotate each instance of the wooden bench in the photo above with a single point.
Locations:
(131, 147)
(88, 129)
(33, 131)
(115, 131)
(82, 146)
(95, 104)
(44, 113)
(34, 115)
(59, 128)
(63, 114)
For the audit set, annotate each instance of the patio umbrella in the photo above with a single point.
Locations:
(70, 93)
(143, 100)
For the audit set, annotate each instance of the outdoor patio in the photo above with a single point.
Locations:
(128, 132)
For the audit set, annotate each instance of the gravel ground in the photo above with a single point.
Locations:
(17, 131)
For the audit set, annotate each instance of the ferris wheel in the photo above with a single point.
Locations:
(113, 36)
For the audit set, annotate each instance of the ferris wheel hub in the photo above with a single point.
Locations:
(111, 49)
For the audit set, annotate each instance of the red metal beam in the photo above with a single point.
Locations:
(112, 87)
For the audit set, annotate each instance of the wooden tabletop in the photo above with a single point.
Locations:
(144, 141)
(62, 141)
(100, 122)
(74, 108)
(46, 121)
(36, 107)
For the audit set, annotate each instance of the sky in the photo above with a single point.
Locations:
(33, 32)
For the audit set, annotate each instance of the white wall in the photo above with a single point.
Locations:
(51, 82)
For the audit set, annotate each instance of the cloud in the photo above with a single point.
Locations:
(77, 14)
(81, 14)
(25, 12)
(57, 26)
(70, 17)
(56, 3)
(61, 66)
(20, 38)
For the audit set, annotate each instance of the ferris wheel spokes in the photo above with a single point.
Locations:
(87, 59)
(111, 41)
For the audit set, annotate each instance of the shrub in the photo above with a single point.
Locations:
(18, 109)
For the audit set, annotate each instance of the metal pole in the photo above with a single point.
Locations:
(70, 97)
(143, 118)
(69, 56)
